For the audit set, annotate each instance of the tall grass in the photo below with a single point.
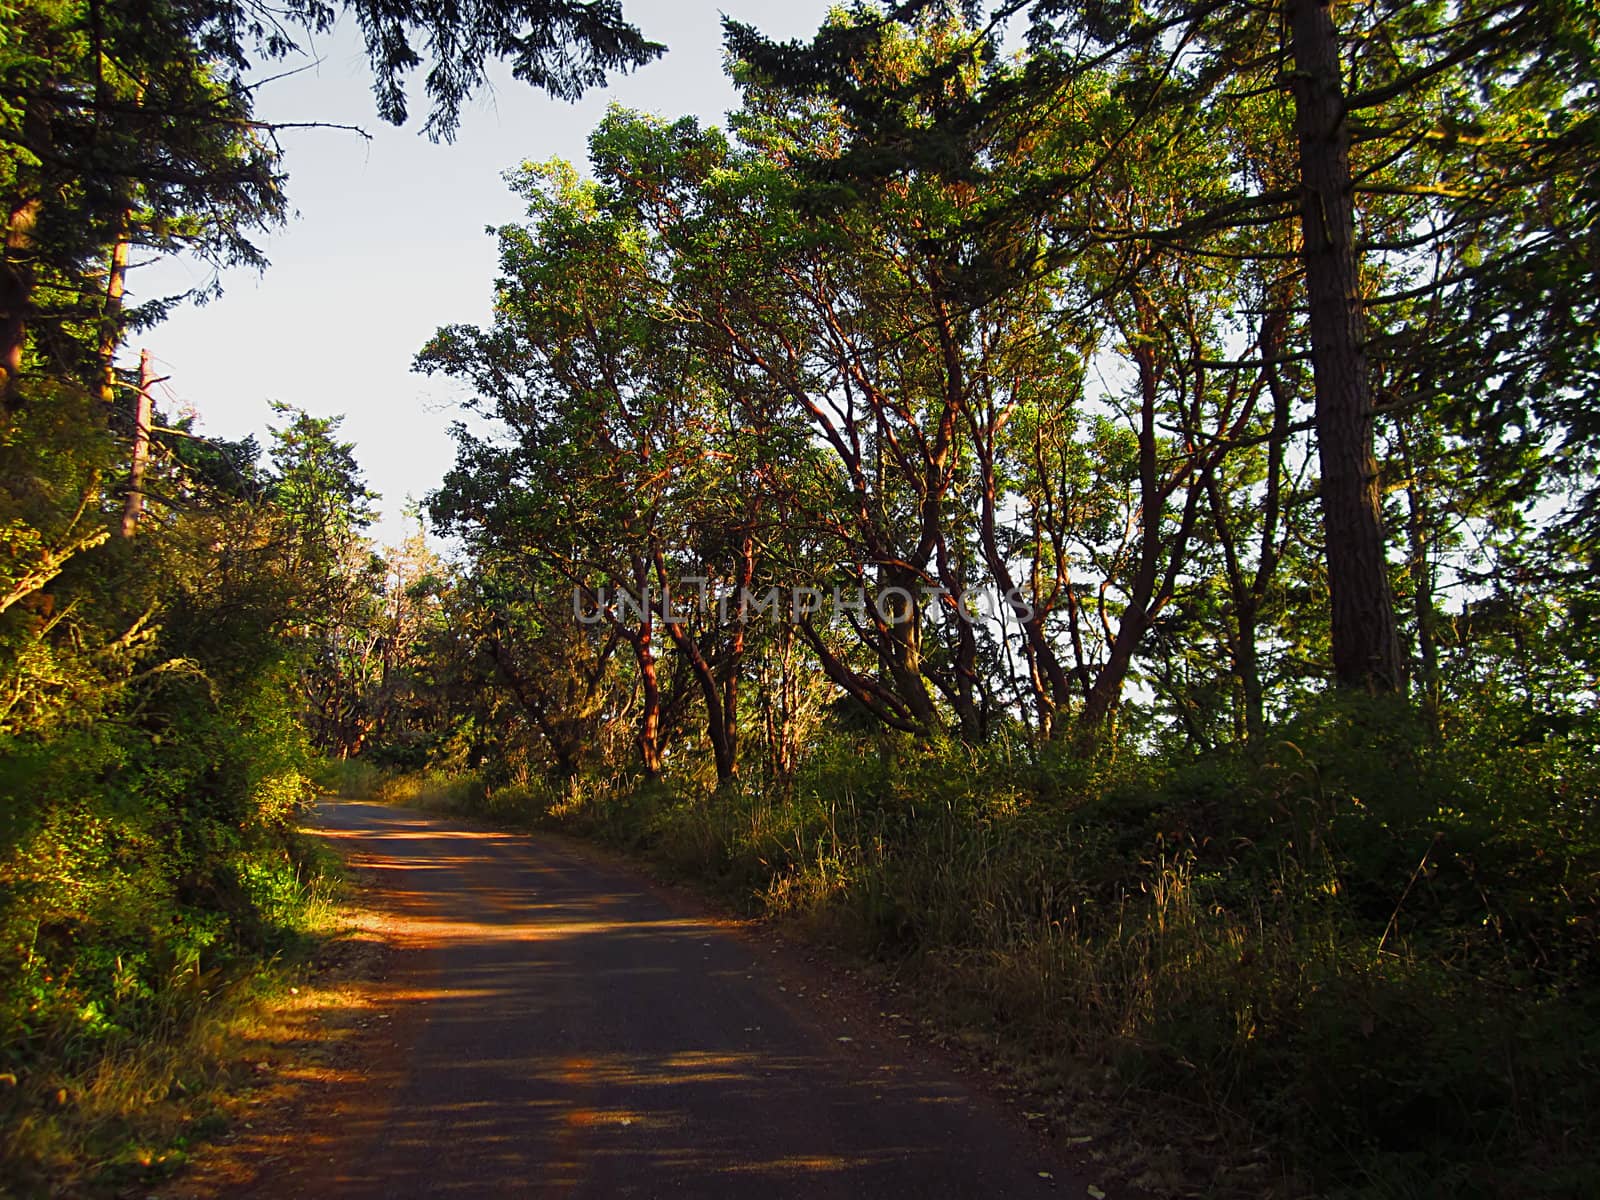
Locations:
(445, 791)
(354, 778)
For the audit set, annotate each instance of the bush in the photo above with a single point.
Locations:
(354, 778)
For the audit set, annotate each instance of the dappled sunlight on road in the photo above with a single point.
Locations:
(557, 1030)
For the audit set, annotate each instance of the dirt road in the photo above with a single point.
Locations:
(560, 1028)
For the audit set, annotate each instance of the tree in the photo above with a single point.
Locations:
(1088, 500)
(598, 405)
(1366, 649)
(133, 125)
(674, 333)
(1439, 152)
(116, 131)
(317, 485)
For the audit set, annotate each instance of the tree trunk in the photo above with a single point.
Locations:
(721, 723)
(649, 739)
(111, 315)
(899, 622)
(143, 406)
(1366, 649)
(16, 291)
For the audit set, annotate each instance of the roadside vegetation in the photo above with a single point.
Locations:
(155, 769)
(166, 596)
(94, 1106)
(1106, 532)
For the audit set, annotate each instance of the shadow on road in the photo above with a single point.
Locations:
(556, 1029)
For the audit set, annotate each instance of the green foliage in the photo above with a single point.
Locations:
(129, 1084)
(136, 857)
(153, 762)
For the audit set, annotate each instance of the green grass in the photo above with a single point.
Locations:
(440, 791)
(96, 1115)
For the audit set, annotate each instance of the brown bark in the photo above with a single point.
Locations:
(16, 290)
(649, 738)
(1366, 648)
(111, 318)
(143, 406)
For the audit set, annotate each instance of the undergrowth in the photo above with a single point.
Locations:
(116, 1093)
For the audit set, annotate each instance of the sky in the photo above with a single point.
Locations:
(390, 242)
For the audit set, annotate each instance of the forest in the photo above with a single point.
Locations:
(1091, 507)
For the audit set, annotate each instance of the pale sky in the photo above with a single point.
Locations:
(390, 244)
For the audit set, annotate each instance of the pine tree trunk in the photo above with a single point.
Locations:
(1366, 650)
(111, 315)
(16, 289)
(143, 407)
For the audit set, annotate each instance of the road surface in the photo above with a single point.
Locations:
(560, 1028)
